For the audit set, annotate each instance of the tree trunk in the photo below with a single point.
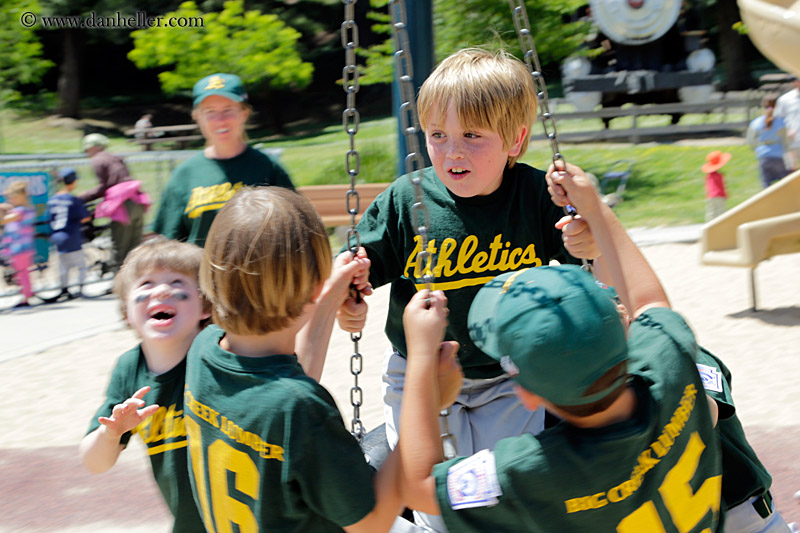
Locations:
(69, 78)
(732, 46)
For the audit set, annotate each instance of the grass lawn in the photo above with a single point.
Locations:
(666, 188)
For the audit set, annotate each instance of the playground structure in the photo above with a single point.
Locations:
(644, 52)
(768, 224)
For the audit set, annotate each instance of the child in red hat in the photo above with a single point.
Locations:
(715, 186)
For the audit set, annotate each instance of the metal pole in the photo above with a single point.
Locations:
(419, 17)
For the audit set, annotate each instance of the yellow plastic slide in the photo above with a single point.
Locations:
(761, 227)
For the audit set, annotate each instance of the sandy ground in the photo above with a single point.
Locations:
(49, 397)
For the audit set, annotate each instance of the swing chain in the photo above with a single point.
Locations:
(523, 27)
(409, 124)
(350, 121)
(414, 163)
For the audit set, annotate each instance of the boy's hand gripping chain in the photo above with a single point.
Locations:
(414, 164)
(350, 120)
(523, 27)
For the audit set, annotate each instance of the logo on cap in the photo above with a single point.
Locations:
(215, 82)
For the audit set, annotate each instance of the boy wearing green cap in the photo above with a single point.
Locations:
(636, 448)
(199, 187)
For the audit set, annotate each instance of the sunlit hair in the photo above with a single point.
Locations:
(490, 90)
(768, 103)
(17, 187)
(265, 255)
(158, 253)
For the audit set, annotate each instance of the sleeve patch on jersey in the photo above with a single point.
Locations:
(711, 377)
(473, 482)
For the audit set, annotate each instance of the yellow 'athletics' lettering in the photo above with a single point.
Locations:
(164, 424)
(463, 259)
(209, 198)
(645, 462)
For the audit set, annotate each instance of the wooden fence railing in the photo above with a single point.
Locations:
(751, 107)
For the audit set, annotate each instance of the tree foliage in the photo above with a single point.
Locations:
(257, 47)
(20, 61)
(463, 23)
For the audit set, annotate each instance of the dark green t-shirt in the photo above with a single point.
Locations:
(473, 240)
(659, 469)
(163, 432)
(744, 475)
(268, 444)
(200, 186)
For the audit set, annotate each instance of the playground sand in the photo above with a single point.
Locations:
(50, 397)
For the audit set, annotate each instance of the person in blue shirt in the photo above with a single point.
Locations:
(67, 214)
(767, 135)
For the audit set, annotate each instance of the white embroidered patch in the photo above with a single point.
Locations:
(508, 366)
(711, 377)
(473, 482)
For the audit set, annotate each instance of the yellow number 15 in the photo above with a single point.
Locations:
(685, 507)
(223, 458)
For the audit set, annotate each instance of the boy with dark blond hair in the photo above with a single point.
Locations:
(268, 448)
(159, 298)
(489, 214)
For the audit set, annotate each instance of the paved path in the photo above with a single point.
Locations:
(55, 361)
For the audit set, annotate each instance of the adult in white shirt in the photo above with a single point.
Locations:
(788, 108)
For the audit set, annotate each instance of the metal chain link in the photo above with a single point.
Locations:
(350, 121)
(414, 163)
(523, 27)
(409, 123)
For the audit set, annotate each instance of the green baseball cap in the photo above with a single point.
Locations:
(554, 329)
(228, 85)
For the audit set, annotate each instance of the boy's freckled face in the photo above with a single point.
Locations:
(469, 162)
(165, 305)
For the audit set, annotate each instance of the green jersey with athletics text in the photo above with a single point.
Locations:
(163, 432)
(200, 186)
(659, 470)
(268, 447)
(472, 240)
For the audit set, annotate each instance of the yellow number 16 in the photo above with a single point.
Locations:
(223, 458)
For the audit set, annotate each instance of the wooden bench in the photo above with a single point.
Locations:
(766, 225)
(148, 142)
(330, 201)
(178, 133)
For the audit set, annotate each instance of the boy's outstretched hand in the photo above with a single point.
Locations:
(571, 186)
(425, 321)
(127, 415)
(451, 377)
(577, 237)
(350, 273)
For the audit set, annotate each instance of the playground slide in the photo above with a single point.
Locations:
(774, 27)
(766, 225)
(763, 226)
